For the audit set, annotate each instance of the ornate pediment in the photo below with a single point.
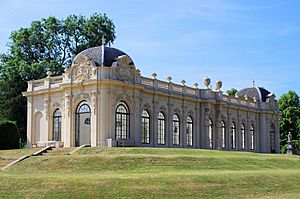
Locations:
(82, 69)
(123, 68)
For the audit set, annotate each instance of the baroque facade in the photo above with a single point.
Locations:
(102, 100)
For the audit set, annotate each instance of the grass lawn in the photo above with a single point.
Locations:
(153, 173)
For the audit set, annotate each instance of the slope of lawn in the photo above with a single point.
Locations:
(153, 173)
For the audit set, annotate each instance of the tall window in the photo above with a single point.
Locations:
(233, 135)
(176, 133)
(161, 131)
(189, 131)
(243, 140)
(145, 127)
(223, 134)
(210, 133)
(252, 137)
(122, 121)
(57, 125)
(272, 138)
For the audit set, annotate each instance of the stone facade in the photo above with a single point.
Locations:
(94, 104)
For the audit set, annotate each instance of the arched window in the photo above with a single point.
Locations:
(145, 127)
(57, 125)
(243, 136)
(189, 131)
(252, 137)
(210, 133)
(161, 131)
(233, 135)
(176, 130)
(223, 134)
(272, 138)
(122, 121)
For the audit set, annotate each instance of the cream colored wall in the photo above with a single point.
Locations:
(104, 94)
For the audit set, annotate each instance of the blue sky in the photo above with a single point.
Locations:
(235, 41)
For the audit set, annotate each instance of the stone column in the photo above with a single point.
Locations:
(69, 134)
(105, 117)
(197, 127)
(264, 138)
(94, 121)
(154, 122)
(30, 119)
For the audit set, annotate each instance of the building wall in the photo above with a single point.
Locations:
(103, 89)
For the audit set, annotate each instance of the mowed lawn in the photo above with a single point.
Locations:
(153, 173)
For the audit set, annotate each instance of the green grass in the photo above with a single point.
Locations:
(153, 173)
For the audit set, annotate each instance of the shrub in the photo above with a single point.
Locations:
(9, 135)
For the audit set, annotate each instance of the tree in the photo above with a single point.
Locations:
(290, 116)
(231, 92)
(48, 44)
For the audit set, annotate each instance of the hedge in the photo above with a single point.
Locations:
(9, 135)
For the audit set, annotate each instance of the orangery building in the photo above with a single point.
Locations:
(102, 100)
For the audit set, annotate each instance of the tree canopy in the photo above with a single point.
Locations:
(231, 92)
(290, 116)
(48, 44)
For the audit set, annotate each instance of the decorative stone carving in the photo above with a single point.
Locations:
(290, 146)
(182, 82)
(82, 70)
(169, 78)
(123, 70)
(82, 96)
(206, 82)
(218, 85)
(46, 107)
(94, 100)
(147, 106)
(154, 75)
(49, 73)
(68, 99)
(56, 104)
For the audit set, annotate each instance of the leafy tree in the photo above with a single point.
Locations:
(48, 44)
(231, 92)
(290, 116)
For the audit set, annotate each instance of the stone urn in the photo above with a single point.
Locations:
(206, 82)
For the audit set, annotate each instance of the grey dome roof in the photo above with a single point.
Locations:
(261, 94)
(95, 55)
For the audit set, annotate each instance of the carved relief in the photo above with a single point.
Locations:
(82, 96)
(94, 100)
(82, 70)
(56, 104)
(123, 70)
(46, 107)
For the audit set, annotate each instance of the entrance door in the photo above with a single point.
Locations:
(83, 124)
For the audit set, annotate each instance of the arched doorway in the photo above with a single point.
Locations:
(83, 124)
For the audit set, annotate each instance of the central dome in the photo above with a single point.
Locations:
(95, 55)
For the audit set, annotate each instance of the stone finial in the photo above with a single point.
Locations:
(207, 82)
(182, 82)
(236, 96)
(196, 85)
(254, 99)
(218, 85)
(169, 78)
(138, 71)
(49, 73)
(154, 75)
(246, 97)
